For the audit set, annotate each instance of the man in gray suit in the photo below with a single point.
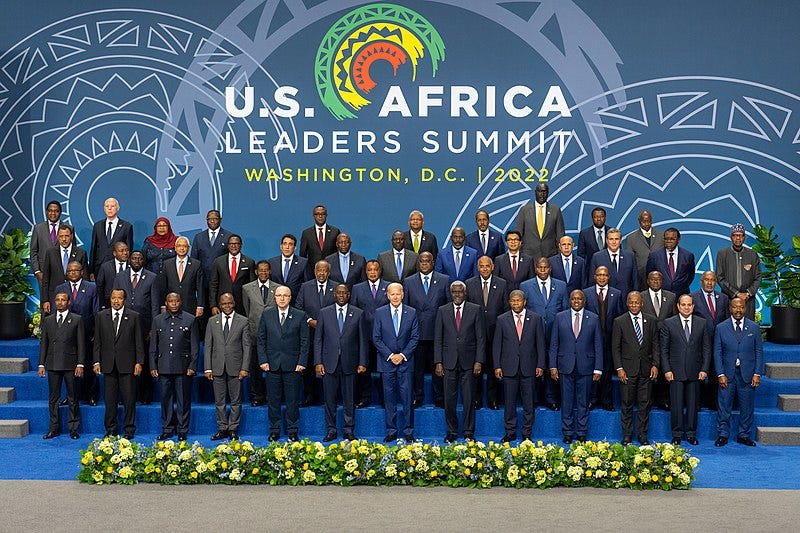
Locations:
(257, 296)
(541, 225)
(227, 358)
(739, 271)
(643, 241)
(43, 236)
(397, 263)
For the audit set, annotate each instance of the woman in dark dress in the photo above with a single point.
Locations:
(159, 246)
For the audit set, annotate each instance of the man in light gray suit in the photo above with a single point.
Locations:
(227, 358)
(389, 259)
(541, 225)
(44, 235)
(643, 241)
(257, 296)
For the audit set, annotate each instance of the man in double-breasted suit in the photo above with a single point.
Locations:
(230, 273)
(398, 262)
(739, 359)
(713, 306)
(426, 292)
(569, 267)
(207, 245)
(486, 240)
(119, 355)
(340, 351)
(489, 292)
(105, 233)
(54, 265)
(395, 333)
(368, 296)
(318, 241)
(44, 235)
(641, 242)
(174, 347)
(675, 263)
(622, 269)
(283, 341)
(634, 347)
(184, 276)
(289, 269)
(226, 355)
(593, 239)
(458, 356)
(685, 345)
(576, 359)
(457, 261)
(61, 359)
(514, 266)
(541, 225)
(346, 266)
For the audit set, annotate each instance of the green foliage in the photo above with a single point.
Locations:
(780, 270)
(14, 266)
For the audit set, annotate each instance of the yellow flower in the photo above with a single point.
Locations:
(655, 477)
(466, 471)
(480, 465)
(109, 469)
(402, 474)
(161, 444)
(679, 459)
(242, 459)
(287, 464)
(357, 473)
(433, 473)
(632, 479)
(193, 475)
(237, 447)
(256, 471)
(339, 458)
(588, 473)
(507, 445)
(98, 459)
(549, 470)
(491, 455)
(522, 471)
(411, 462)
(224, 465)
(668, 479)
(514, 452)
(158, 470)
(305, 466)
(648, 460)
(614, 473)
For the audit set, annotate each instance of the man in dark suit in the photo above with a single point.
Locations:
(258, 295)
(368, 296)
(283, 341)
(739, 271)
(713, 306)
(634, 347)
(514, 266)
(486, 240)
(226, 355)
(568, 266)
(54, 265)
(621, 265)
(108, 271)
(229, 274)
(318, 241)
(519, 359)
(340, 351)
(417, 239)
(641, 242)
(143, 293)
(676, 264)
(607, 303)
(541, 225)
(459, 354)
(456, 261)
(398, 262)
(174, 347)
(61, 359)
(685, 353)
(576, 359)
(105, 233)
(289, 269)
(207, 245)
(740, 359)
(44, 235)
(593, 239)
(426, 292)
(83, 301)
(314, 295)
(662, 305)
(184, 276)
(395, 333)
(118, 355)
(489, 293)
(346, 266)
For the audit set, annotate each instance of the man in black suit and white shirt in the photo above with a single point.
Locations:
(43, 236)
(318, 241)
(229, 274)
(184, 276)
(105, 233)
(54, 266)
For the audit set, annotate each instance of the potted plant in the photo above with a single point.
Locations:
(780, 284)
(14, 284)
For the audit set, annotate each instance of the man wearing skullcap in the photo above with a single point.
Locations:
(739, 271)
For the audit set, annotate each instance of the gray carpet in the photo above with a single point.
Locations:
(55, 506)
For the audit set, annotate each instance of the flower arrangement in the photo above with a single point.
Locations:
(35, 325)
(360, 462)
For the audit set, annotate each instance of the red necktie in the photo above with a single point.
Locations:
(600, 296)
(135, 281)
(74, 291)
(519, 326)
(233, 269)
(514, 266)
(671, 265)
(458, 317)
(321, 239)
(711, 305)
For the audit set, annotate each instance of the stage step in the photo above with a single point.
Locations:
(789, 402)
(13, 429)
(778, 436)
(13, 365)
(783, 370)
(7, 394)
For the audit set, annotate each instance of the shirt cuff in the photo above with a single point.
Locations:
(404, 357)
(620, 368)
(80, 366)
(41, 366)
(720, 375)
(598, 372)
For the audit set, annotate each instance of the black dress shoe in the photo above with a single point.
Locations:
(581, 438)
(165, 436)
(439, 404)
(74, 435)
(416, 403)
(526, 437)
(330, 436)
(349, 436)
(676, 440)
(493, 406)
(508, 438)
(391, 437)
(232, 435)
(469, 437)
(692, 441)
(308, 402)
(50, 435)
(592, 406)
(93, 402)
(567, 440)
(256, 403)
(478, 405)
(274, 436)
(63, 402)
(409, 438)
(219, 435)
(747, 441)
(644, 441)
(552, 406)
(110, 435)
(129, 436)
(721, 441)
(181, 437)
(293, 436)
(361, 405)
(450, 437)
(664, 407)
(609, 407)
(625, 441)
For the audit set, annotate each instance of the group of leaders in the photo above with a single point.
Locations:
(544, 322)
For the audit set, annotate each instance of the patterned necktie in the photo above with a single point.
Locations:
(519, 326)
(540, 220)
(283, 317)
(396, 321)
(416, 243)
(320, 239)
(74, 291)
(180, 270)
(458, 317)
(109, 234)
(135, 280)
(53, 234)
(686, 330)
(514, 266)
(341, 320)
(738, 326)
(576, 324)
(65, 260)
(638, 329)
(374, 290)
(233, 269)
(711, 306)
(671, 265)
(213, 238)
(483, 242)
(227, 328)
(567, 271)
(425, 284)
(485, 293)
(599, 239)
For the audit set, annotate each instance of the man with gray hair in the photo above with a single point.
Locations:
(417, 239)
(739, 271)
(184, 276)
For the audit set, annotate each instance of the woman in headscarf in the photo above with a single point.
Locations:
(159, 246)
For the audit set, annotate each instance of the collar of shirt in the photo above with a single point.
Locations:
(317, 228)
(733, 322)
(646, 233)
(117, 264)
(114, 312)
(210, 231)
(265, 284)
(598, 287)
(68, 249)
(237, 256)
(412, 233)
(399, 309)
(344, 257)
(538, 205)
(521, 315)
(566, 257)
(654, 294)
(61, 315)
(639, 315)
(323, 285)
(138, 273)
(579, 313)
(611, 254)
(489, 279)
(429, 275)
(228, 316)
(342, 308)
(76, 283)
(673, 252)
(113, 221)
(178, 260)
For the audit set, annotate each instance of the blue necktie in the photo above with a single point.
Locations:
(285, 270)
(544, 291)
(399, 266)
(341, 320)
(344, 266)
(566, 268)
(638, 329)
(66, 260)
(458, 261)
(396, 320)
(425, 284)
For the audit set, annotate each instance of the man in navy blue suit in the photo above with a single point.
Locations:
(207, 245)
(456, 261)
(288, 269)
(739, 356)
(104, 277)
(426, 291)
(319, 240)
(685, 353)
(340, 351)
(486, 240)
(368, 296)
(346, 266)
(546, 296)
(593, 239)
(519, 359)
(514, 266)
(712, 305)
(621, 265)
(568, 266)
(576, 359)
(395, 333)
(676, 264)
